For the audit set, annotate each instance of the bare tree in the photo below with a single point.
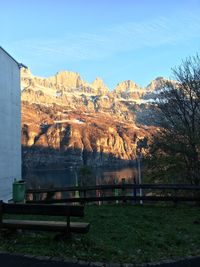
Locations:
(178, 104)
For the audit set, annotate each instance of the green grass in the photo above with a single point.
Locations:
(120, 233)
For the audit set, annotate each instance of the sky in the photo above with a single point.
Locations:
(116, 40)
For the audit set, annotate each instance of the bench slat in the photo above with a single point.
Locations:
(75, 227)
(43, 209)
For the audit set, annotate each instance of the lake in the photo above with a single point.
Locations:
(72, 177)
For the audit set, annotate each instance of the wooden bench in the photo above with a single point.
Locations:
(66, 227)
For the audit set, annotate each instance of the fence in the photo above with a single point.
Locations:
(115, 192)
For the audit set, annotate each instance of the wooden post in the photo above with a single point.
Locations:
(34, 196)
(134, 189)
(139, 156)
(116, 192)
(77, 192)
(98, 194)
(123, 189)
(66, 234)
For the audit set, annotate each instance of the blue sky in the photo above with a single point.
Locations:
(114, 39)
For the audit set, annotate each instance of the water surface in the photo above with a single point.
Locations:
(72, 177)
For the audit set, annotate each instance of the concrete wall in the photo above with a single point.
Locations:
(10, 129)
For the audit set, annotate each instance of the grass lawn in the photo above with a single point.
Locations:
(120, 233)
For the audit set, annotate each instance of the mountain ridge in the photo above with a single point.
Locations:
(69, 122)
(75, 78)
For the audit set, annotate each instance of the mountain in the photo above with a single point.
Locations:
(128, 90)
(67, 121)
(99, 85)
(156, 84)
(67, 79)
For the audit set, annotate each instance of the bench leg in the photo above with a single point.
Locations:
(66, 235)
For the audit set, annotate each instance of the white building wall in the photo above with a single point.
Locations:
(10, 128)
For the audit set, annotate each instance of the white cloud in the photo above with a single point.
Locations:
(112, 40)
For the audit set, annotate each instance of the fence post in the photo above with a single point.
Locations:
(116, 192)
(98, 194)
(77, 193)
(123, 189)
(34, 196)
(134, 189)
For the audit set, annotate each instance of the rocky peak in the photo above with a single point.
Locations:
(26, 73)
(128, 90)
(127, 86)
(99, 85)
(156, 84)
(67, 79)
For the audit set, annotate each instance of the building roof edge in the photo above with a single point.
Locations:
(20, 65)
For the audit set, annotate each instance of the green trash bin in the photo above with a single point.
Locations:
(19, 191)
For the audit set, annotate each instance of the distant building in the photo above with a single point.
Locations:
(10, 124)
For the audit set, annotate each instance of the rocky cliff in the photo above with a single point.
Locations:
(69, 122)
